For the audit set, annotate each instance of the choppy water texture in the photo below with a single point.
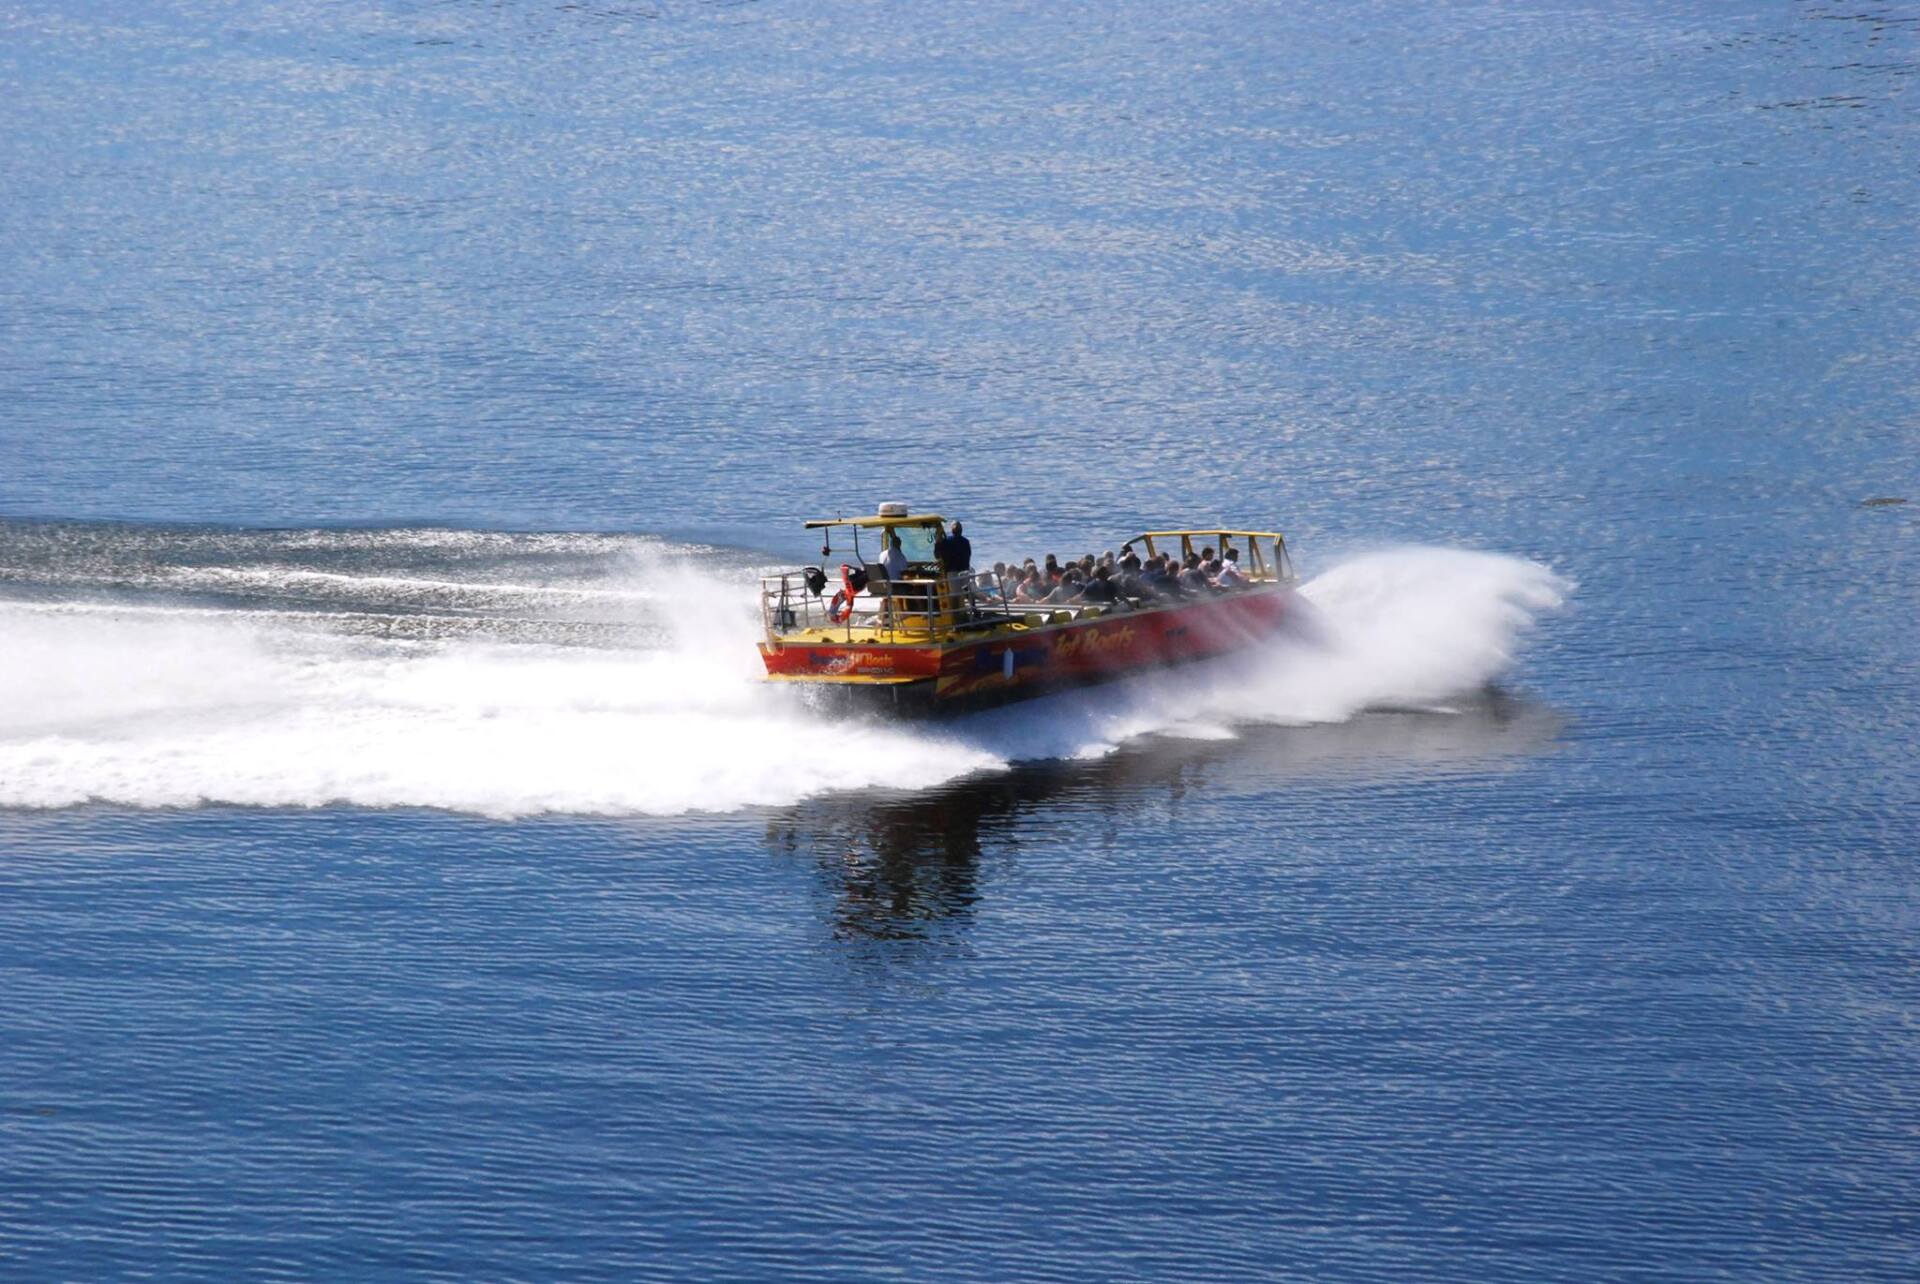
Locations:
(402, 877)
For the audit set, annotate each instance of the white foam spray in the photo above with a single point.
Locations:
(229, 707)
(1404, 628)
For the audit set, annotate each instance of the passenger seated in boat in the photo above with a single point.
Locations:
(1067, 590)
(1032, 589)
(1192, 577)
(1155, 580)
(1227, 574)
(1126, 579)
(1052, 569)
(1100, 588)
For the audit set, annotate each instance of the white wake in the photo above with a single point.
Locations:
(227, 707)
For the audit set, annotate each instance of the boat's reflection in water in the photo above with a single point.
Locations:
(902, 866)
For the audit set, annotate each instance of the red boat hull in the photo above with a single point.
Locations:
(1014, 665)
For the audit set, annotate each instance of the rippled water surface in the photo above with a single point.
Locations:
(403, 877)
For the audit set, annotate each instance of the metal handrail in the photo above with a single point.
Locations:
(915, 605)
(922, 607)
(1279, 572)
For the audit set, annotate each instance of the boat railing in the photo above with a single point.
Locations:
(909, 608)
(788, 605)
(1268, 561)
(923, 607)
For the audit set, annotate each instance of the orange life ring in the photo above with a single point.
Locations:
(841, 608)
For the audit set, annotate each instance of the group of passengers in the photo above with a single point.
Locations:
(1109, 579)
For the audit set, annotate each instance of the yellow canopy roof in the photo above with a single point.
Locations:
(916, 519)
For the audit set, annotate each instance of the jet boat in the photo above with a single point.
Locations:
(924, 641)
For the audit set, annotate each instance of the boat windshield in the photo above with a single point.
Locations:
(917, 542)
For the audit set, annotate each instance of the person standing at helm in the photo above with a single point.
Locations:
(893, 558)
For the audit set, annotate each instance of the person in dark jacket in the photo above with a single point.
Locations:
(954, 551)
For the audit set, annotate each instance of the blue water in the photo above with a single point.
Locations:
(401, 876)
